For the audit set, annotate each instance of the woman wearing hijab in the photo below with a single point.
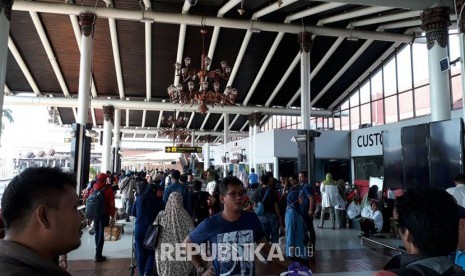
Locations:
(145, 210)
(296, 233)
(176, 225)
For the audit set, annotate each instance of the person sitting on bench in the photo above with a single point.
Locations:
(372, 219)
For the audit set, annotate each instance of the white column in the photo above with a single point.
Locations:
(5, 17)
(462, 65)
(255, 131)
(86, 22)
(108, 113)
(192, 154)
(206, 161)
(250, 149)
(435, 22)
(276, 168)
(117, 140)
(461, 26)
(305, 44)
(225, 141)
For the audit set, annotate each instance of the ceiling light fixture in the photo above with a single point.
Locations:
(195, 85)
(241, 10)
(180, 121)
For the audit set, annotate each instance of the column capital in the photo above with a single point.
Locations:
(108, 112)
(5, 6)
(87, 22)
(305, 41)
(459, 7)
(434, 22)
(254, 119)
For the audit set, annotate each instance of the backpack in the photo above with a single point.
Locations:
(260, 208)
(95, 204)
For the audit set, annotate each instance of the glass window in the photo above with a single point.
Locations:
(420, 64)
(337, 122)
(377, 86)
(365, 114)
(354, 100)
(365, 93)
(422, 101)
(404, 69)
(456, 83)
(406, 105)
(391, 112)
(354, 117)
(389, 75)
(454, 52)
(377, 112)
(345, 104)
(345, 122)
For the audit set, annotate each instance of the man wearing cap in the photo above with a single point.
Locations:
(102, 222)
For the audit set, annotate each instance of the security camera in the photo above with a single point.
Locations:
(192, 2)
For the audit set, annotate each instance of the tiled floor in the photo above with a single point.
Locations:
(339, 253)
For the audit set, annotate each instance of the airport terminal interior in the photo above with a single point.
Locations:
(370, 91)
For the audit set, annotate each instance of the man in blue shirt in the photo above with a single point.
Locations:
(253, 179)
(175, 186)
(232, 234)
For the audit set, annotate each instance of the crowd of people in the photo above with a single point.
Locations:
(42, 224)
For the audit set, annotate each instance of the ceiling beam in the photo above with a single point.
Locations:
(419, 5)
(22, 65)
(158, 106)
(197, 132)
(195, 20)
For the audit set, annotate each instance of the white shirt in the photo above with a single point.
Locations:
(458, 192)
(376, 216)
(211, 187)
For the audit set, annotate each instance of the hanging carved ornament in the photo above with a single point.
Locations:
(435, 22)
(5, 5)
(305, 41)
(108, 112)
(87, 22)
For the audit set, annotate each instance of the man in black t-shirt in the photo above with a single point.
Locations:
(199, 201)
(272, 217)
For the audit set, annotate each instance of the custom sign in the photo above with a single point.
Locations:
(183, 149)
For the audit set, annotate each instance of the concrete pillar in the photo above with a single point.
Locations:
(117, 141)
(276, 168)
(5, 18)
(305, 42)
(253, 121)
(225, 141)
(206, 161)
(81, 147)
(192, 154)
(435, 22)
(108, 115)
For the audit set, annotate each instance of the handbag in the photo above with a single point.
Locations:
(151, 237)
(260, 208)
(113, 232)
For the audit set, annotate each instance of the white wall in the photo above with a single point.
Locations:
(277, 143)
(368, 142)
(332, 144)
